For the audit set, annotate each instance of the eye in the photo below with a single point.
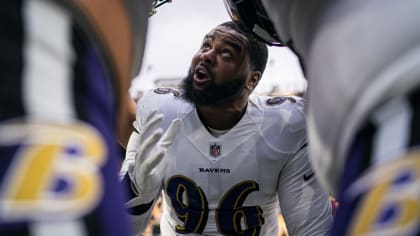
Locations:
(226, 53)
(205, 46)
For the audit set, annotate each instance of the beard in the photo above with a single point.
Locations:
(211, 94)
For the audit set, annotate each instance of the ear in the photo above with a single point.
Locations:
(254, 79)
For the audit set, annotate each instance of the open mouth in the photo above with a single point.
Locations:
(200, 77)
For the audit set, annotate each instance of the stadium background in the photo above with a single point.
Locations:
(175, 34)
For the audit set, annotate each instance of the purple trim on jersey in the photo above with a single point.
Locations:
(101, 110)
(353, 169)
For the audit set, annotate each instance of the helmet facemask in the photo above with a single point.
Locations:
(156, 4)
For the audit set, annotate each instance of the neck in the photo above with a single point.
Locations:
(224, 116)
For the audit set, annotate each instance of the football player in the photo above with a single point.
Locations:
(66, 67)
(362, 62)
(232, 158)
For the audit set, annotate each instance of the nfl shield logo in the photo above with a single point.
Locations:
(215, 149)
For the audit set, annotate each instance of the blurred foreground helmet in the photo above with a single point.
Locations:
(251, 15)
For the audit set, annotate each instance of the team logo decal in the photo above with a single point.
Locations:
(390, 201)
(215, 149)
(55, 172)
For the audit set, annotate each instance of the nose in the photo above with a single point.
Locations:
(208, 56)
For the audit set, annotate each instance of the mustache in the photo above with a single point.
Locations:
(213, 94)
(202, 68)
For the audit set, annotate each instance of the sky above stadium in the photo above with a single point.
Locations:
(175, 34)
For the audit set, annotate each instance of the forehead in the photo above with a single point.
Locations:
(228, 35)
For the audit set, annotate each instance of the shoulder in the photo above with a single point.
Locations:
(160, 94)
(290, 109)
(166, 101)
(283, 124)
(165, 91)
(160, 99)
(280, 103)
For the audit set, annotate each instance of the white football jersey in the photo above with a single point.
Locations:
(234, 184)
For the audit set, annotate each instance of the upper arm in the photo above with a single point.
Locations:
(304, 203)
